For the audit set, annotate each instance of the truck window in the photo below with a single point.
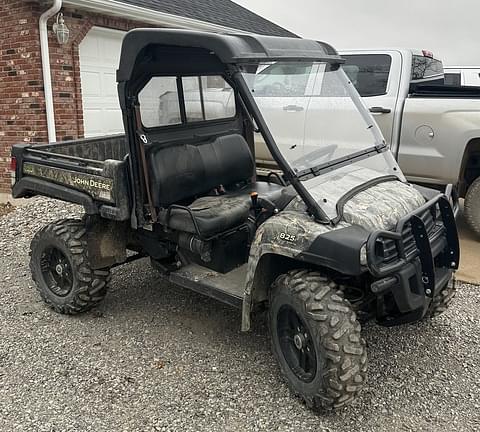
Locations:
(283, 80)
(204, 98)
(368, 72)
(207, 98)
(159, 104)
(453, 79)
(426, 68)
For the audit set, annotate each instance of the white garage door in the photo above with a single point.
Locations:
(99, 55)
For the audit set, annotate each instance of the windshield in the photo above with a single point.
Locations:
(320, 126)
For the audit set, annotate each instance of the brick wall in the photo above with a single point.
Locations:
(22, 108)
(22, 102)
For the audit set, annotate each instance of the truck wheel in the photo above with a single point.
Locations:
(316, 340)
(442, 299)
(61, 269)
(471, 208)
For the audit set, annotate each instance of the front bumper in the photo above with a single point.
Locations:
(421, 256)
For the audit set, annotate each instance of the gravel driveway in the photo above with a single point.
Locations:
(155, 357)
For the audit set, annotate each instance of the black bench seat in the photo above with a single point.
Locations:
(189, 173)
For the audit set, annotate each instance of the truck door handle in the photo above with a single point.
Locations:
(380, 110)
(292, 108)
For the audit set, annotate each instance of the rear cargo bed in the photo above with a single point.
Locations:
(91, 172)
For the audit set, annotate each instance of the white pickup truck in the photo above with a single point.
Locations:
(433, 129)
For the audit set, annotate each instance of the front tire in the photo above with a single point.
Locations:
(316, 340)
(61, 268)
(442, 299)
(471, 208)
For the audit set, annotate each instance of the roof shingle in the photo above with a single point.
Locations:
(222, 12)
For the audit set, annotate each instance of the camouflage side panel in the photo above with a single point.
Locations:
(293, 231)
(96, 186)
(288, 234)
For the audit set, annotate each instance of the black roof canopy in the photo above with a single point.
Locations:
(171, 48)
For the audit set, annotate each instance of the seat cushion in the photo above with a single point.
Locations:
(216, 214)
(213, 214)
(183, 171)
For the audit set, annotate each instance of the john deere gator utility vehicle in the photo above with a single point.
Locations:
(336, 237)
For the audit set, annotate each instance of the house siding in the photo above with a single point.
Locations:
(22, 99)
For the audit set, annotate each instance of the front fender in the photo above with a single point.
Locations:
(291, 239)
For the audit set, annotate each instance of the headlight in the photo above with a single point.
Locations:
(363, 255)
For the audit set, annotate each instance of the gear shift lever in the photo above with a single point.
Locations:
(254, 198)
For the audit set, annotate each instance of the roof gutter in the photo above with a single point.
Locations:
(150, 16)
(47, 78)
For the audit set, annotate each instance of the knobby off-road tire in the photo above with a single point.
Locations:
(471, 207)
(338, 370)
(442, 299)
(61, 268)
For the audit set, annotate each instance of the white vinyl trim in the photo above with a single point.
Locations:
(47, 77)
(138, 13)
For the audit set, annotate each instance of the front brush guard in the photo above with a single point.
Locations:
(424, 244)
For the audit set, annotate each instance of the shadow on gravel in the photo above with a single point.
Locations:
(138, 292)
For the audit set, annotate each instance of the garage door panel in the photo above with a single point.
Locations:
(110, 115)
(110, 48)
(102, 121)
(89, 45)
(92, 121)
(90, 83)
(99, 57)
(109, 84)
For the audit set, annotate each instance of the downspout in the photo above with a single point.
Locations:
(47, 78)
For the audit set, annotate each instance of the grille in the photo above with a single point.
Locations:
(387, 247)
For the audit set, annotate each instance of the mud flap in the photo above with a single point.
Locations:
(107, 242)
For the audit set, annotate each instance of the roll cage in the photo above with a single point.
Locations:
(163, 52)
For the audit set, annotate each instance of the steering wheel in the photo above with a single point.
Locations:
(311, 159)
(275, 89)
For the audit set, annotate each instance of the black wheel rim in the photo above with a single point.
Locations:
(296, 344)
(56, 271)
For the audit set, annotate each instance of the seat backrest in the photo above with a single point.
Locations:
(180, 172)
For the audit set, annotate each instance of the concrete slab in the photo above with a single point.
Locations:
(6, 197)
(469, 270)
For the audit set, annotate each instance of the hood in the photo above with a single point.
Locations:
(381, 206)
(329, 188)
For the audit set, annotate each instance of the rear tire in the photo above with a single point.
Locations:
(307, 312)
(471, 208)
(61, 268)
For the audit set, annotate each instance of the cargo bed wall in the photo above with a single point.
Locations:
(97, 148)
